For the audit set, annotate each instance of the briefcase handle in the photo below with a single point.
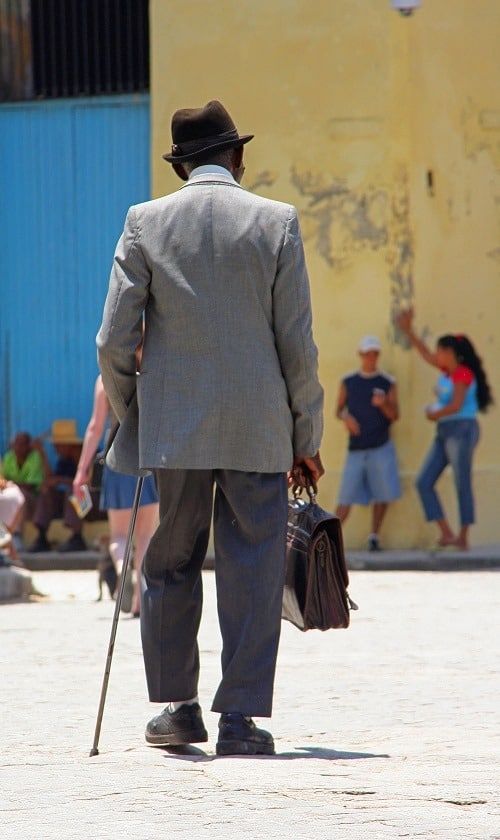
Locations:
(311, 490)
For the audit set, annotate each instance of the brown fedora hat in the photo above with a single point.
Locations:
(196, 131)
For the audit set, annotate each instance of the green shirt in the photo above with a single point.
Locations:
(31, 471)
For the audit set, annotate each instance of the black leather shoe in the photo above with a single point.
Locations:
(41, 544)
(185, 726)
(238, 735)
(75, 543)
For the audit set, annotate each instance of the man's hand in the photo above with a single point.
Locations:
(352, 425)
(432, 413)
(48, 482)
(379, 398)
(306, 472)
(81, 478)
(404, 320)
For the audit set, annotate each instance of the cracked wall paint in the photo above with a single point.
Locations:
(266, 178)
(341, 222)
(400, 254)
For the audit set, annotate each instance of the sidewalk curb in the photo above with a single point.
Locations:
(423, 561)
(396, 560)
(57, 561)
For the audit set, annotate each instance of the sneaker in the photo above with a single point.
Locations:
(41, 544)
(75, 543)
(238, 735)
(373, 543)
(185, 726)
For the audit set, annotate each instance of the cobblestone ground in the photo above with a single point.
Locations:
(386, 730)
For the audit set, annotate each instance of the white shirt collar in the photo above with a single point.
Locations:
(211, 169)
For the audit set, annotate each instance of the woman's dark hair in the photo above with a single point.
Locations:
(466, 355)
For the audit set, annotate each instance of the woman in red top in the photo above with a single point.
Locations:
(461, 390)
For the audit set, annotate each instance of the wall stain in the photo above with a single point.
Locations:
(494, 254)
(480, 132)
(262, 179)
(400, 254)
(341, 220)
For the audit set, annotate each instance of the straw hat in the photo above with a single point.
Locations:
(65, 431)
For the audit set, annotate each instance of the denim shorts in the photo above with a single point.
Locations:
(370, 475)
(118, 490)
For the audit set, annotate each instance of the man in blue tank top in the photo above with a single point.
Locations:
(368, 404)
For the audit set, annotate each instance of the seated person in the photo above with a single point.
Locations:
(24, 465)
(53, 500)
(11, 514)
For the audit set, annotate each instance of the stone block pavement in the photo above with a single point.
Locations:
(386, 730)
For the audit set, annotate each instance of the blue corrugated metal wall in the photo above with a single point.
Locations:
(69, 169)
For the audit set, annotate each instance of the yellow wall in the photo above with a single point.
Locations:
(352, 105)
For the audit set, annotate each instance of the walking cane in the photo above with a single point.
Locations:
(118, 603)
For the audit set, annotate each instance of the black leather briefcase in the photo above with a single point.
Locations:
(316, 580)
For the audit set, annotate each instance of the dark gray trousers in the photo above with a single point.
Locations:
(250, 515)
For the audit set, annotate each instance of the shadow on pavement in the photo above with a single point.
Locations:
(326, 754)
(191, 753)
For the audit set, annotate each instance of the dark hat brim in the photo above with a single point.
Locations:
(211, 147)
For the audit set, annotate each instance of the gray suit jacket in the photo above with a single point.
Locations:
(229, 367)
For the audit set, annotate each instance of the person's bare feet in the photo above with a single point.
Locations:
(444, 542)
(453, 542)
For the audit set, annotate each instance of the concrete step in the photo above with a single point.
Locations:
(55, 561)
(475, 559)
(45, 561)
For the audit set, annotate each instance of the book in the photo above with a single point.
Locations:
(82, 504)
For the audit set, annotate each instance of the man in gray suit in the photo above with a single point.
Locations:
(228, 397)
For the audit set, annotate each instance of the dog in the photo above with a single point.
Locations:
(106, 570)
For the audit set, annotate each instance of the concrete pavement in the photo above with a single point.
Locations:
(388, 729)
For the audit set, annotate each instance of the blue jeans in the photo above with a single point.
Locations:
(454, 444)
